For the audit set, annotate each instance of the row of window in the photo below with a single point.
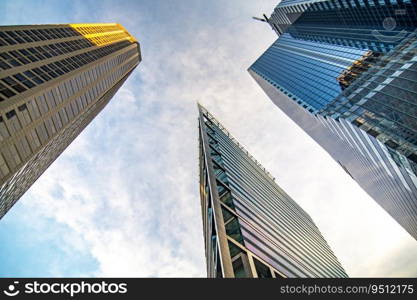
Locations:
(336, 50)
(291, 96)
(20, 57)
(362, 16)
(348, 37)
(351, 13)
(317, 89)
(9, 86)
(12, 37)
(95, 29)
(108, 38)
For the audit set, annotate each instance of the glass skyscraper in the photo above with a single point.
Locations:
(54, 79)
(252, 228)
(346, 72)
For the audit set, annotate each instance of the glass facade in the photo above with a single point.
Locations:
(252, 228)
(307, 69)
(349, 69)
(54, 80)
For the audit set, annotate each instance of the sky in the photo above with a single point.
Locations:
(122, 200)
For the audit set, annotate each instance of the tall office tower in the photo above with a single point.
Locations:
(252, 228)
(346, 72)
(54, 80)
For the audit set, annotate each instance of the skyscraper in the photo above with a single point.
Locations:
(54, 80)
(346, 72)
(252, 228)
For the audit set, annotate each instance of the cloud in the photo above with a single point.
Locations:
(127, 187)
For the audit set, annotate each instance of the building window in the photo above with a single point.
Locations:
(11, 114)
(12, 83)
(228, 200)
(278, 275)
(220, 188)
(234, 250)
(238, 268)
(6, 92)
(22, 107)
(262, 270)
(227, 216)
(233, 230)
(24, 80)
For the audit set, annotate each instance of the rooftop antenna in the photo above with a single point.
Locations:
(259, 19)
(264, 19)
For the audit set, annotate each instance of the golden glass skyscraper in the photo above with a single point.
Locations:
(54, 79)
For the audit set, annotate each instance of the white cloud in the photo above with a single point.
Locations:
(128, 185)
